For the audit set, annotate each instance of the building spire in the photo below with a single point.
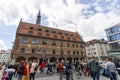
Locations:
(38, 21)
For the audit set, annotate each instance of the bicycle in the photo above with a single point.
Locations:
(78, 73)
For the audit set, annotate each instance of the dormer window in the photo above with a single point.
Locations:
(39, 29)
(66, 34)
(62, 37)
(68, 38)
(60, 33)
(30, 32)
(71, 34)
(31, 28)
(47, 30)
(53, 32)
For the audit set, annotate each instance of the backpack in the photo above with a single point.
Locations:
(36, 68)
(21, 69)
(94, 66)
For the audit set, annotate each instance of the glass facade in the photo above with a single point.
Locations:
(113, 36)
(112, 30)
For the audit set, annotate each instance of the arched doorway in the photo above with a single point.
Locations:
(32, 58)
(53, 59)
(21, 58)
(61, 58)
(69, 59)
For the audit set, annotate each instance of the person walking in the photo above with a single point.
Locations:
(68, 71)
(94, 69)
(110, 66)
(26, 72)
(61, 64)
(42, 66)
(21, 69)
(33, 70)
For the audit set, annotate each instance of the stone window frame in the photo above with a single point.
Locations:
(68, 52)
(25, 40)
(68, 38)
(39, 29)
(54, 42)
(66, 34)
(73, 52)
(55, 36)
(31, 28)
(44, 42)
(76, 45)
(47, 35)
(77, 52)
(35, 41)
(53, 51)
(71, 35)
(33, 50)
(22, 50)
(68, 45)
(73, 45)
(54, 32)
(47, 30)
(62, 37)
(60, 33)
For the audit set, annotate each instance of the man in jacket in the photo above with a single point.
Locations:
(110, 66)
(94, 69)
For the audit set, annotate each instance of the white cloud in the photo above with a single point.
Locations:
(2, 44)
(66, 14)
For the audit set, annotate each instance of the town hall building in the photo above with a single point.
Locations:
(36, 42)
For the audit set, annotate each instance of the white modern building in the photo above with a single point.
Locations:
(97, 48)
(5, 56)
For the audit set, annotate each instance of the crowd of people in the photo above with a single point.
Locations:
(27, 70)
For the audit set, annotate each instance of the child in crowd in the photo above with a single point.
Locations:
(4, 75)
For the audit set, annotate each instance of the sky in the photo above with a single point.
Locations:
(89, 18)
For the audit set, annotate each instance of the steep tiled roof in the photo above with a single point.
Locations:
(47, 32)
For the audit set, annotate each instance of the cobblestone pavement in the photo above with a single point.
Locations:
(44, 76)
